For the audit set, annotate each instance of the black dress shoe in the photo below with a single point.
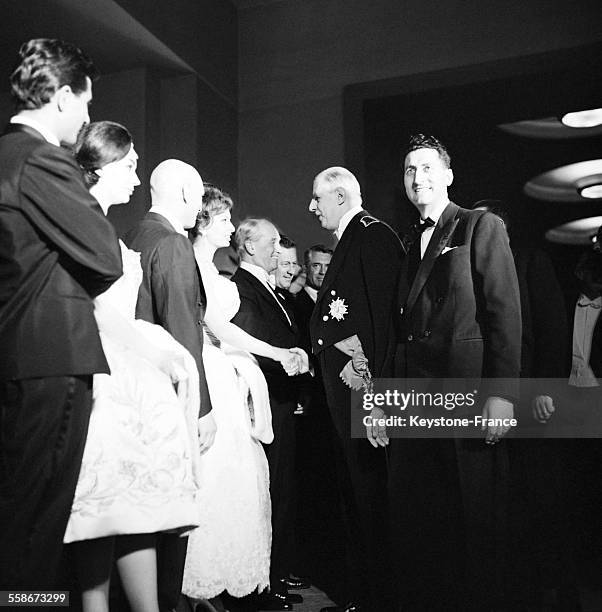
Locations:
(274, 601)
(350, 607)
(294, 583)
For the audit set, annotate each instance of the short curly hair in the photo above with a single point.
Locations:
(45, 65)
(215, 201)
(422, 141)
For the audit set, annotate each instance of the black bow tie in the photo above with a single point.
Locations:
(415, 232)
(422, 226)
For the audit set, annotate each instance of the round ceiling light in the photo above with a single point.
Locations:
(591, 192)
(583, 119)
(580, 232)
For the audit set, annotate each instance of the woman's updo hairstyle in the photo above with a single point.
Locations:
(215, 201)
(99, 144)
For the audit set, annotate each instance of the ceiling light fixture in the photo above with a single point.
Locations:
(590, 187)
(583, 119)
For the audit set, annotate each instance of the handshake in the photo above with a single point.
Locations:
(293, 360)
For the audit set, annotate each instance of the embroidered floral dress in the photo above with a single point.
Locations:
(137, 472)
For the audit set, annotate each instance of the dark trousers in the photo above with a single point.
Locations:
(44, 424)
(281, 460)
(362, 481)
(448, 508)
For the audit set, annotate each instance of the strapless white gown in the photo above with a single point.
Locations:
(230, 551)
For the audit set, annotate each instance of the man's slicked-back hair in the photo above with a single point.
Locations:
(286, 242)
(337, 176)
(249, 229)
(422, 141)
(45, 65)
(316, 248)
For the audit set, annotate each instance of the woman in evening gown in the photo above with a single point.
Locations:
(137, 476)
(230, 551)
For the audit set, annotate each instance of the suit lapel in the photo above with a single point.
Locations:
(272, 300)
(445, 228)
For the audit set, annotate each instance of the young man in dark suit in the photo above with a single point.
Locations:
(356, 302)
(458, 316)
(267, 317)
(57, 252)
(172, 295)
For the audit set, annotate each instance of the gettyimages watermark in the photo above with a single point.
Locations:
(453, 408)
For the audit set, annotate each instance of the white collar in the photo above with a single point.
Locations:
(257, 271)
(168, 214)
(313, 293)
(346, 218)
(437, 214)
(585, 301)
(38, 127)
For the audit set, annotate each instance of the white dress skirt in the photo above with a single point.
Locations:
(230, 550)
(138, 471)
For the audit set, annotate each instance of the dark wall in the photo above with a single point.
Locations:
(204, 33)
(296, 56)
(464, 108)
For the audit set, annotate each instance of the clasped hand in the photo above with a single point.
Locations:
(294, 361)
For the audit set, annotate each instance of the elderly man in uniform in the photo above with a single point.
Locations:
(354, 308)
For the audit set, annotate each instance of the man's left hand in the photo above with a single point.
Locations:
(377, 434)
(497, 408)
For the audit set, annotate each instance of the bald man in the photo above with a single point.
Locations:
(172, 295)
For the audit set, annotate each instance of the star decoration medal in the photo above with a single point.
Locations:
(338, 309)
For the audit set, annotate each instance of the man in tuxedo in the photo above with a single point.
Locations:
(57, 252)
(355, 303)
(267, 317)
(458, 316)
(172, 295)
(316, 260)
(319, 525)
(287, 267)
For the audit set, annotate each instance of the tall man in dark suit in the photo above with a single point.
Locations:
(267, 317)
(356, 302)
(172, 295)
(57, 252)
(458, 317)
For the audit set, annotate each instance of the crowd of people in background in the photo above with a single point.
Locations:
(188, 428)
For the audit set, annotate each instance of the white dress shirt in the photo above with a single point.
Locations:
(586, 316)
(427, 234)
(38, 127)
(345, 219)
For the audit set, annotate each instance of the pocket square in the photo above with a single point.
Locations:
(446, 249)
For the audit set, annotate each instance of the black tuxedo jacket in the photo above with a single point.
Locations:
(358, 292)
(57, 252)
(171, 293)
(461, 318)
(261, 317)
(303, 308)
